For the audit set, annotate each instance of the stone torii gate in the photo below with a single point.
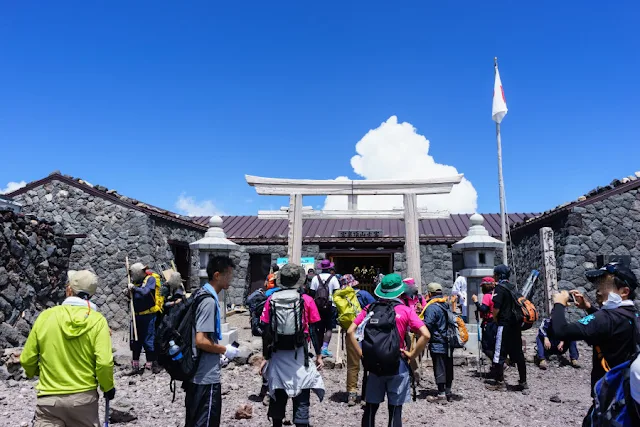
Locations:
(409, 189)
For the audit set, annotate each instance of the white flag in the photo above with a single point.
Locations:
(499, 101)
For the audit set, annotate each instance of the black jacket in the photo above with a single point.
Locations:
(435, 318)
(503, 300)
(611, 330)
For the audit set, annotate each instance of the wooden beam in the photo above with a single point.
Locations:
(294, 250)
(286, 187)
(356, 214)
(549, 265)
(412, 239)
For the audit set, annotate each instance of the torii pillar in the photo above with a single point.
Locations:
(409, 189)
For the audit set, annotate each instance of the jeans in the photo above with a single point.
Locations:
(353, 367)
(543, 353)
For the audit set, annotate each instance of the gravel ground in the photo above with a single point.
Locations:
(150, 397)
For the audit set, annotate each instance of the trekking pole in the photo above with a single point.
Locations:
(106, 413)
(133, 313)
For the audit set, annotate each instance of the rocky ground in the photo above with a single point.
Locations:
(149, 399)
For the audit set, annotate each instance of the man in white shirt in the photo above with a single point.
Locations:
(460, 291)
(322, 288)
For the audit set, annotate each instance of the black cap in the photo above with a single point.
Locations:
(502, 271)
(621, 271)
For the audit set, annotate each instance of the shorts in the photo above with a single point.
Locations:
(396, 387)
(329, 319)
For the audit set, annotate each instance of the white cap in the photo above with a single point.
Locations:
(138, 266)
(634, 380)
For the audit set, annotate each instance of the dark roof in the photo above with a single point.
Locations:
(617, 186)
(112, 196)
(251, 229)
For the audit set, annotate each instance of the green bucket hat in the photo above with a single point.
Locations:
(391, 286)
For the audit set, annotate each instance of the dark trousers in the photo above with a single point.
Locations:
(443, 371)
(203, 403)
(146, 325)
(278, 406)
(509, 343)
(543, 353)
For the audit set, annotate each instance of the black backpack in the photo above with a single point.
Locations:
(322, 298)
(256, 302)
(381, 344)
(179, 326)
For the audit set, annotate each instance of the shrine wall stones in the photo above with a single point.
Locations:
(610, 226)
(34, 257)
(436, 265)
(113, 231)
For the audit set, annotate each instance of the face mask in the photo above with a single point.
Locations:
(613, 301)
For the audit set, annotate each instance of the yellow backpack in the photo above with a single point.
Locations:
(347, 305)
(159, 299)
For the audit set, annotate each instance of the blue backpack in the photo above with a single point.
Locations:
(613, 404)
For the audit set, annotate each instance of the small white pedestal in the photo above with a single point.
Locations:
(228, 335)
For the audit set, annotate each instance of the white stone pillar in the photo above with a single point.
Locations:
(294, 250)
(549, 265)
(412, 238)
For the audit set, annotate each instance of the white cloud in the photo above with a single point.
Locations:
(12, 186)
(189, 206)
(396, 151)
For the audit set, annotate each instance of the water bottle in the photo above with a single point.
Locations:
(174, 351)
(361, 326)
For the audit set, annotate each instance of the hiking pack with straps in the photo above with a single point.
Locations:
(256, 302)
(179, 327)
(322, 298)
(457, 333)
(613, 404)
(286, 326)
(347, 305)
(525, 312)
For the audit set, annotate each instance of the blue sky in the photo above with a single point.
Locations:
(159, 100)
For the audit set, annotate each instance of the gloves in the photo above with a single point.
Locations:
(109, 395)
(232, 352)
(130, 286)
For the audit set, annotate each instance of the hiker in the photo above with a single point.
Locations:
(272, 277)
(69, 348)
(485, 309)
(290, 319)
(634, 385)
(548, 346)
(435, 317)
(203, 400)
(387, 370)
(412, 297)
(177, 293)
(307, 281)
(147, 303)
(611, 330)
(508, 334)
(459, 291)
(322, 288)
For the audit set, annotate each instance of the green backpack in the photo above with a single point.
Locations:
(346, 301)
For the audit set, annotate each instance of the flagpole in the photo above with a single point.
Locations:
(503, 222)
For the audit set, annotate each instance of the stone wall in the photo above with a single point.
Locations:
(436, 265)
(34, 258)
(113, 232)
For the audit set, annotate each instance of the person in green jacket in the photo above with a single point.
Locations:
(69, 348)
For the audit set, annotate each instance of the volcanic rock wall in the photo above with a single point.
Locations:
(34, 258)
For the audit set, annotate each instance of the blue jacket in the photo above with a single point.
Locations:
(436, 321)
(364, 298)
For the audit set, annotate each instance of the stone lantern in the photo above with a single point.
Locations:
(478, 251)
(215, 242)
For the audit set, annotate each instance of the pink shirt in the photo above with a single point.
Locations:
(413, 302)
(311, 314)
(487, 299)
(406, 319)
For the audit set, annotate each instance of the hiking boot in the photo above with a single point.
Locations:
(134, 370)
(575, 363)
(496, 386)
(156, 368)
(523, 387)
(326, 353)
(351, 400)
(543, 365)
(440, 398)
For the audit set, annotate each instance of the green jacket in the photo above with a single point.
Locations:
(70, 351)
